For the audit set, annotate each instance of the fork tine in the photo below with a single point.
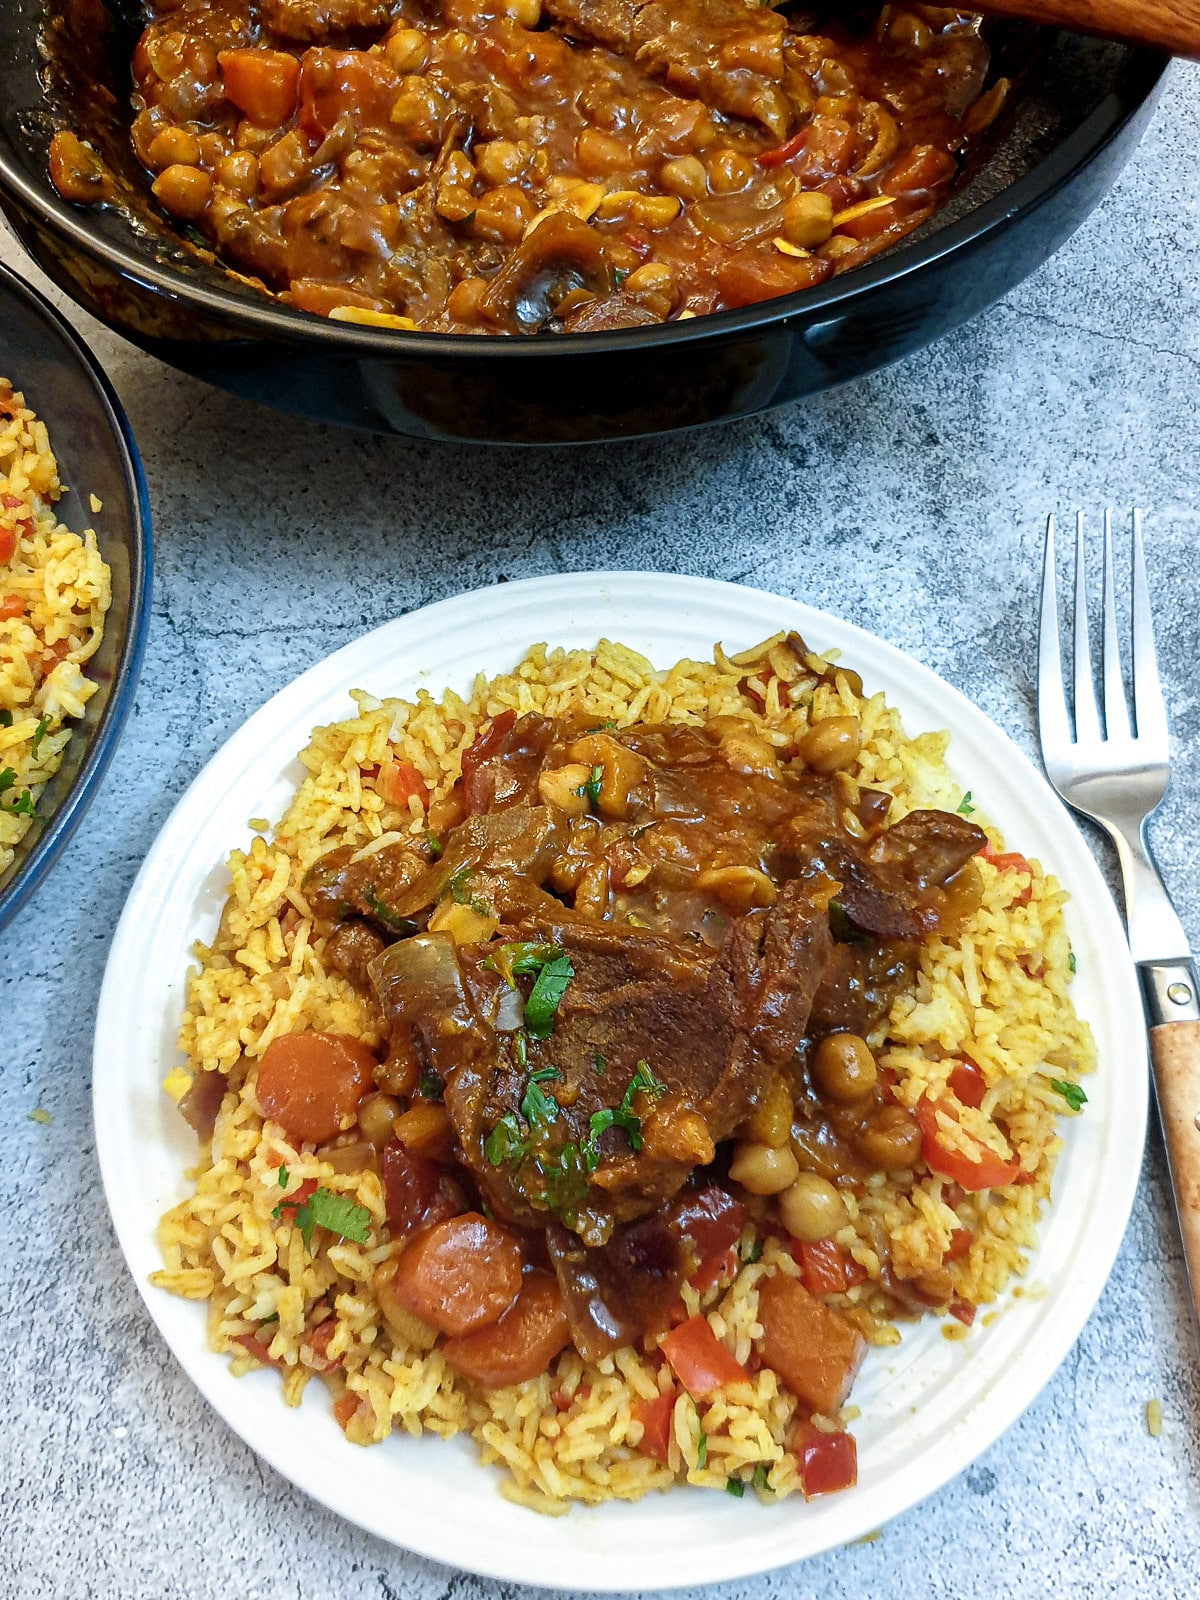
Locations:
(1087, 714)
(1116, 711)
(1149, 711)
(1053, 728)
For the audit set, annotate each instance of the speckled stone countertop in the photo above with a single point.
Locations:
(911, 503)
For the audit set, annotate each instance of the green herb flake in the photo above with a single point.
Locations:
(6, 717)
(505, 1144)
(753, 1252)
(283, 1177)
(22, 805)
(702, 1451)
(1071, 962)
(735, 1487)
(592, 788)
(537, 1107)
(431, 1086)
(759, 1480)
(598, 1063)
(519, 958)
(39, 733)
(459, 892)
(589, 1146)
(384, 913)
(546, 995)
(433, 844)
(336, 1212)
(965, 808)
(266, 1321)
(1071, 1093)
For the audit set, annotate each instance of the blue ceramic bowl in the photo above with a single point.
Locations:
(62, 382)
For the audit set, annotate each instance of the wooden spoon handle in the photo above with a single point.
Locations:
(1172, 25)
(1175, 1057)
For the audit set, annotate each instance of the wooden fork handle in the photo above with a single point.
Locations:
(1173, 1011)
(1172, 25)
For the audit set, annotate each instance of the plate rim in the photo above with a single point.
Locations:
(1025, 1384)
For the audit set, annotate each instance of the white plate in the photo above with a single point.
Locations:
(929, 1407)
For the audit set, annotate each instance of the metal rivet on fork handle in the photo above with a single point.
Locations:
(1179, 993)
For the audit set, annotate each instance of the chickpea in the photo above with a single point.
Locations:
(811, 1208)
(598, 153)
(807, 219)
(375, 1118)
(407, 50)
(463, 304)
(621, 770)
(843, 1068)
(525, 13)
(771, 1123)
(740, 887)
(501, 160)
(832, 744)
(747, 752)
(212, 147)
(238, 173)
(655, 211)
(728, 171)
(653, 278)
(906, 30)
(565, 788)
(184, 191)
(891, 1139)
(173, 147)
(762, 1168)
(685, 177)
(454, 202)
(501, 214)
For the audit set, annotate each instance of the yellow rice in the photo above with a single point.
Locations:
(996, 992)
(63, 587)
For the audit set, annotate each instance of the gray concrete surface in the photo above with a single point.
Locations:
(912, 503)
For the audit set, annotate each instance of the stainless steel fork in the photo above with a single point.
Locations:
(1116, 774)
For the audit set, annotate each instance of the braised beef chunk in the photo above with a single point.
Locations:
(351, 948)
(926, 848)
(376, 887)
(625, 1035)
(717, 51)
(501, 767)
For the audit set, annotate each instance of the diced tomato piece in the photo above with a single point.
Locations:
(655, 1418)
(829, 148)
(319, 1340)
(8, 543)
(699, 1360)
(344, 1408)
(826, 1462)
(10, 502)
(825, 1267)
(311, 1083)
(967, 1085)
(260, 1349)
(264, 84)
(986, 1171)
(813, 1348)
(459, 1275)
(522, 1344)
(398, 782)
(870, 224)
(1012, 861)
(779, 154)
(922, 167)
(960, 1244)
(964, 1311)
(11, 605)
(714, 1270)
(711, 1222)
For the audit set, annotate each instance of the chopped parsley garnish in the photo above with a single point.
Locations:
(461, 894)
(431, 1086)
(1071, 963)
(759, 1480)
(537, 1107)
(519, 958)
(545, 996)
(22, 805)
(965, 808)
(274, 1317)
(642, 1082)
(384, 913)
(619, 276)
(735, 1487)
(753, 1252)
(39, 733)
(702, 1451)
(598, 1063)
(283, 1177)
(521, 1049)
(1071, 1093)
(602, 727)
(6, 717)
(433, 844)
(592, 788)
(505, 1143)
(324, 1209)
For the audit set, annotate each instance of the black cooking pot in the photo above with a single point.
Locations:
(1078, 112)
